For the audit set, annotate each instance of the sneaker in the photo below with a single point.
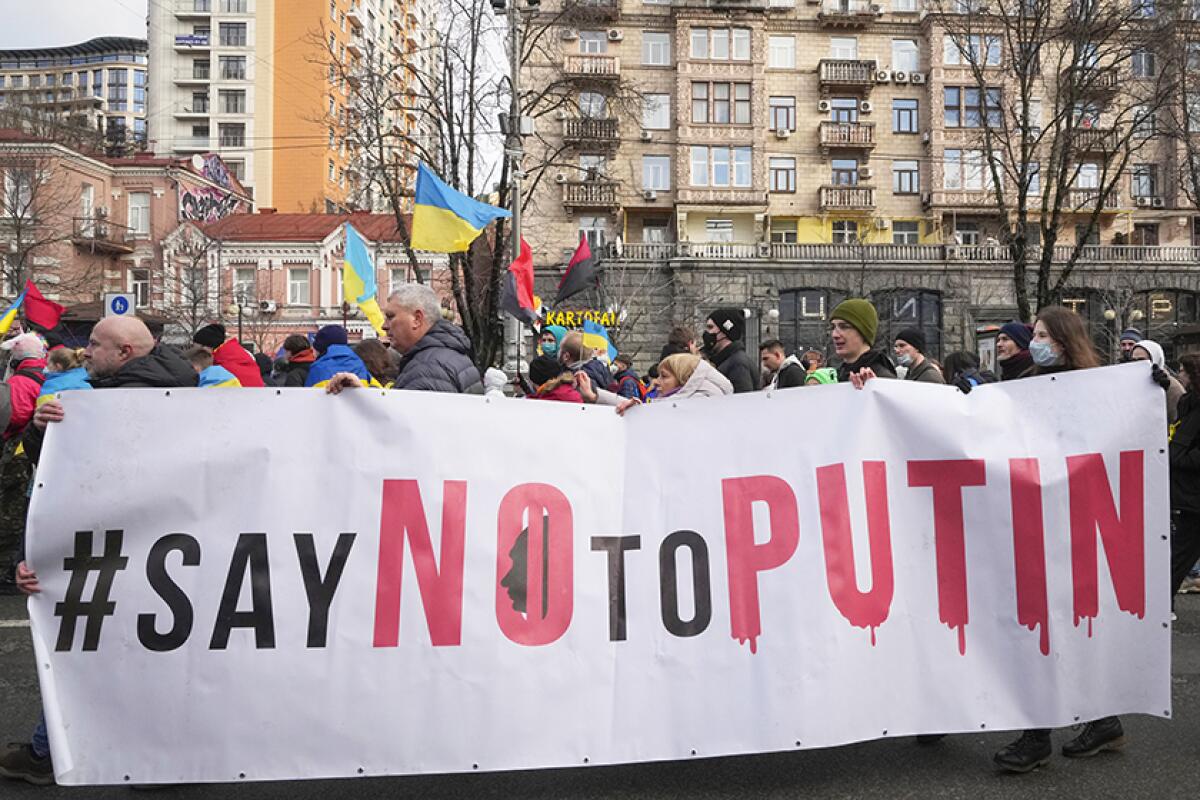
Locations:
(1190, 585)
(19, 763)
(1103, 734)
(1026, 754)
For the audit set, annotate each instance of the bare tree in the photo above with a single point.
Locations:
(1180, 52)
(1063, 99)
(189, 300)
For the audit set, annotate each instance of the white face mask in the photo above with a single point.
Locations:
(1043, 354)
(904, 360)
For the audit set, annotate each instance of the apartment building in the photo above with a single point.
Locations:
(100, 83)
(253, 80)
(779, 155)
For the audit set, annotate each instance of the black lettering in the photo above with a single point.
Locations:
(616, 546)
(320, 590)
(701, 588)
(177, 601)
(249, 553)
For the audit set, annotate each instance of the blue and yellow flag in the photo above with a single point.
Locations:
(358, 279)
(444, 219)
(10, 315)
(595, 336)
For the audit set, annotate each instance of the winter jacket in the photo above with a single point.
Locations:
(295, 371)
(338, 358)
(214, 376)
(560, 389)
(1184, 456)
(925, 372)
(876, 360)
(706, 381)
(791, 373)
(594, 369)
(1019, 366)
(237, 359)
(67, 381)
(440, 362)
(25, 385)
(1174, 388)
(735, 364)
(625, 383)
(5, 404)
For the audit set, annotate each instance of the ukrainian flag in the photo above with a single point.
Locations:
(595, 336)
(444, 219)
(358, 278)
(10, 315)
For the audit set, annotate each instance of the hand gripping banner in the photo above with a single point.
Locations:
(260, 585)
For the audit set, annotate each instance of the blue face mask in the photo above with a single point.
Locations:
(549, 348)
(1043, 354)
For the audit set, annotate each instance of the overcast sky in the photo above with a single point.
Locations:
(46, 23)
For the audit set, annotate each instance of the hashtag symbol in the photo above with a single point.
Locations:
(81, 565)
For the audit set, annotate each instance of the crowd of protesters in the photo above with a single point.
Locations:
(423, 351)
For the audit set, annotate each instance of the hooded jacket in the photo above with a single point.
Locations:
(925, 372)
(237, 359)
(1184, 456)
(67, 381)
(295, 371)
(24, 393)
(876, 360)
(734, 363)
(706, 381)
(626, 384)
(791, 373)
(440, 362)
(338, 358)
(1175, 390)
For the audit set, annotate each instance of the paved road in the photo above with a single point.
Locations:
(1162, 760)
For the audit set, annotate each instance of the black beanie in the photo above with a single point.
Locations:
(211, 336)
(913, 337)
(545, 368)
(732, 321)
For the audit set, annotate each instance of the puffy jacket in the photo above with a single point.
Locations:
(706, 381)
(338, 358)
(214, 376)
(71, 380)
(1184, 456)
(24, 389)
(626, 384)
(735, 364)
(237, 359)
(295, 371)
(925, 372)
(791, 373)
(439, 362)
(876, 360)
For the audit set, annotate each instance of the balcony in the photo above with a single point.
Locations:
(1084, 201)
(192, 41)
(1096, 140)
(186, 75)
(847, 198)
(185, 111)
(354, 15)
(192, 144)
(101, 236)
(720, 251)
(590, 194)
(648, 251)
(591, 130)
(355, 46)
(848, 13)
(719, 196)
(193, 9)
(837, 73)
(592, 67)
(592, 9)
(1091, 81)
(847, 136)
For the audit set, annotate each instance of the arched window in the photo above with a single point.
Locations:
(804, 318)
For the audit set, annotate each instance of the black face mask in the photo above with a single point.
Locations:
(709, 340)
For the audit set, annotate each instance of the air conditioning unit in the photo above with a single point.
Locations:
(917, 78)
(649, 194)
(646, 135)
(823, 106)
(866, 107)
(900, 76)
(881, 224)
(569, 34)
(877, 9)
(1159, 203)
(925, 137)
(560, 177)
(268, 306)
(615, 34)
(782, 133)
(883, 76)
(865, 173)
(1143, 202)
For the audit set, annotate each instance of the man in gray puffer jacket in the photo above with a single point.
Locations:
(435, 353)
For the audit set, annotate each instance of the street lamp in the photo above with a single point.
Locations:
(237, 307)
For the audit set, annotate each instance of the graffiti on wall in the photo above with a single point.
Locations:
(205, 204)
(215, 170)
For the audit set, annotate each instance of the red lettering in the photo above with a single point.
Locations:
(403, 517)
(549, 566)
(746, 559)
(1123, 535)
(947, 480)
(862, 609)
(1029, 547)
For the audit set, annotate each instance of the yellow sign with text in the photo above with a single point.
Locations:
(575, 319)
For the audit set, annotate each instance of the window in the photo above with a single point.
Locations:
(593, 105)
(699, 175)
(699, 102)
(1086, 115)
(1033, 171)
(906, 177)
(720, 44)
(964, 106)
(1030, 58)
(139, 286)
(333, 10)
(237, 168)
(904, 6)
(397, 277)
(243, 283)
(966, 169)
(593, 42)
(845, 231)
(1144, 121)
(656, 173)
(1195, 231)
(905, 55)
(720, 166)
(781, 53)
(201, 70)
(231, 135)
(200, 102)
(966, 233)
(973, 50)
(718, 230)
(239, 7)
(331, 171)
(783, 113)
(233, 68)
(654, 231)
(656, 48)
(906, 232)
(845, 172)
(783, 174)
(593, 166)
(233, 101)
(87, 200)
(232, 34)
(1145, 180)
(1088, 176)
(298, 286)
(784, 231)
(721, 103)
(845, 48)
(952, 169)
(904, 116)
(594, 229)
(656, 112)
(139, 213)
(18, 193)
(1145, 234)
(1144, 9)
(1144, 64)
(843, 109)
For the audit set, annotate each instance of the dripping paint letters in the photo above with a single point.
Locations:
(753, 573)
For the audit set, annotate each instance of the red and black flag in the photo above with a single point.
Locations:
(582, 273)
(516, 297)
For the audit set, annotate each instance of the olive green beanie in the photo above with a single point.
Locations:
(861, 314)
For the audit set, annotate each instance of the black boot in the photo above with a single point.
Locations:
(1103, 734)
(1031, 751)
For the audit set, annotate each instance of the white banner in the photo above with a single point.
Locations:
(265, 584)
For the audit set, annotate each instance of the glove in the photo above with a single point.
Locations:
(1160, 376)
(963, 385)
